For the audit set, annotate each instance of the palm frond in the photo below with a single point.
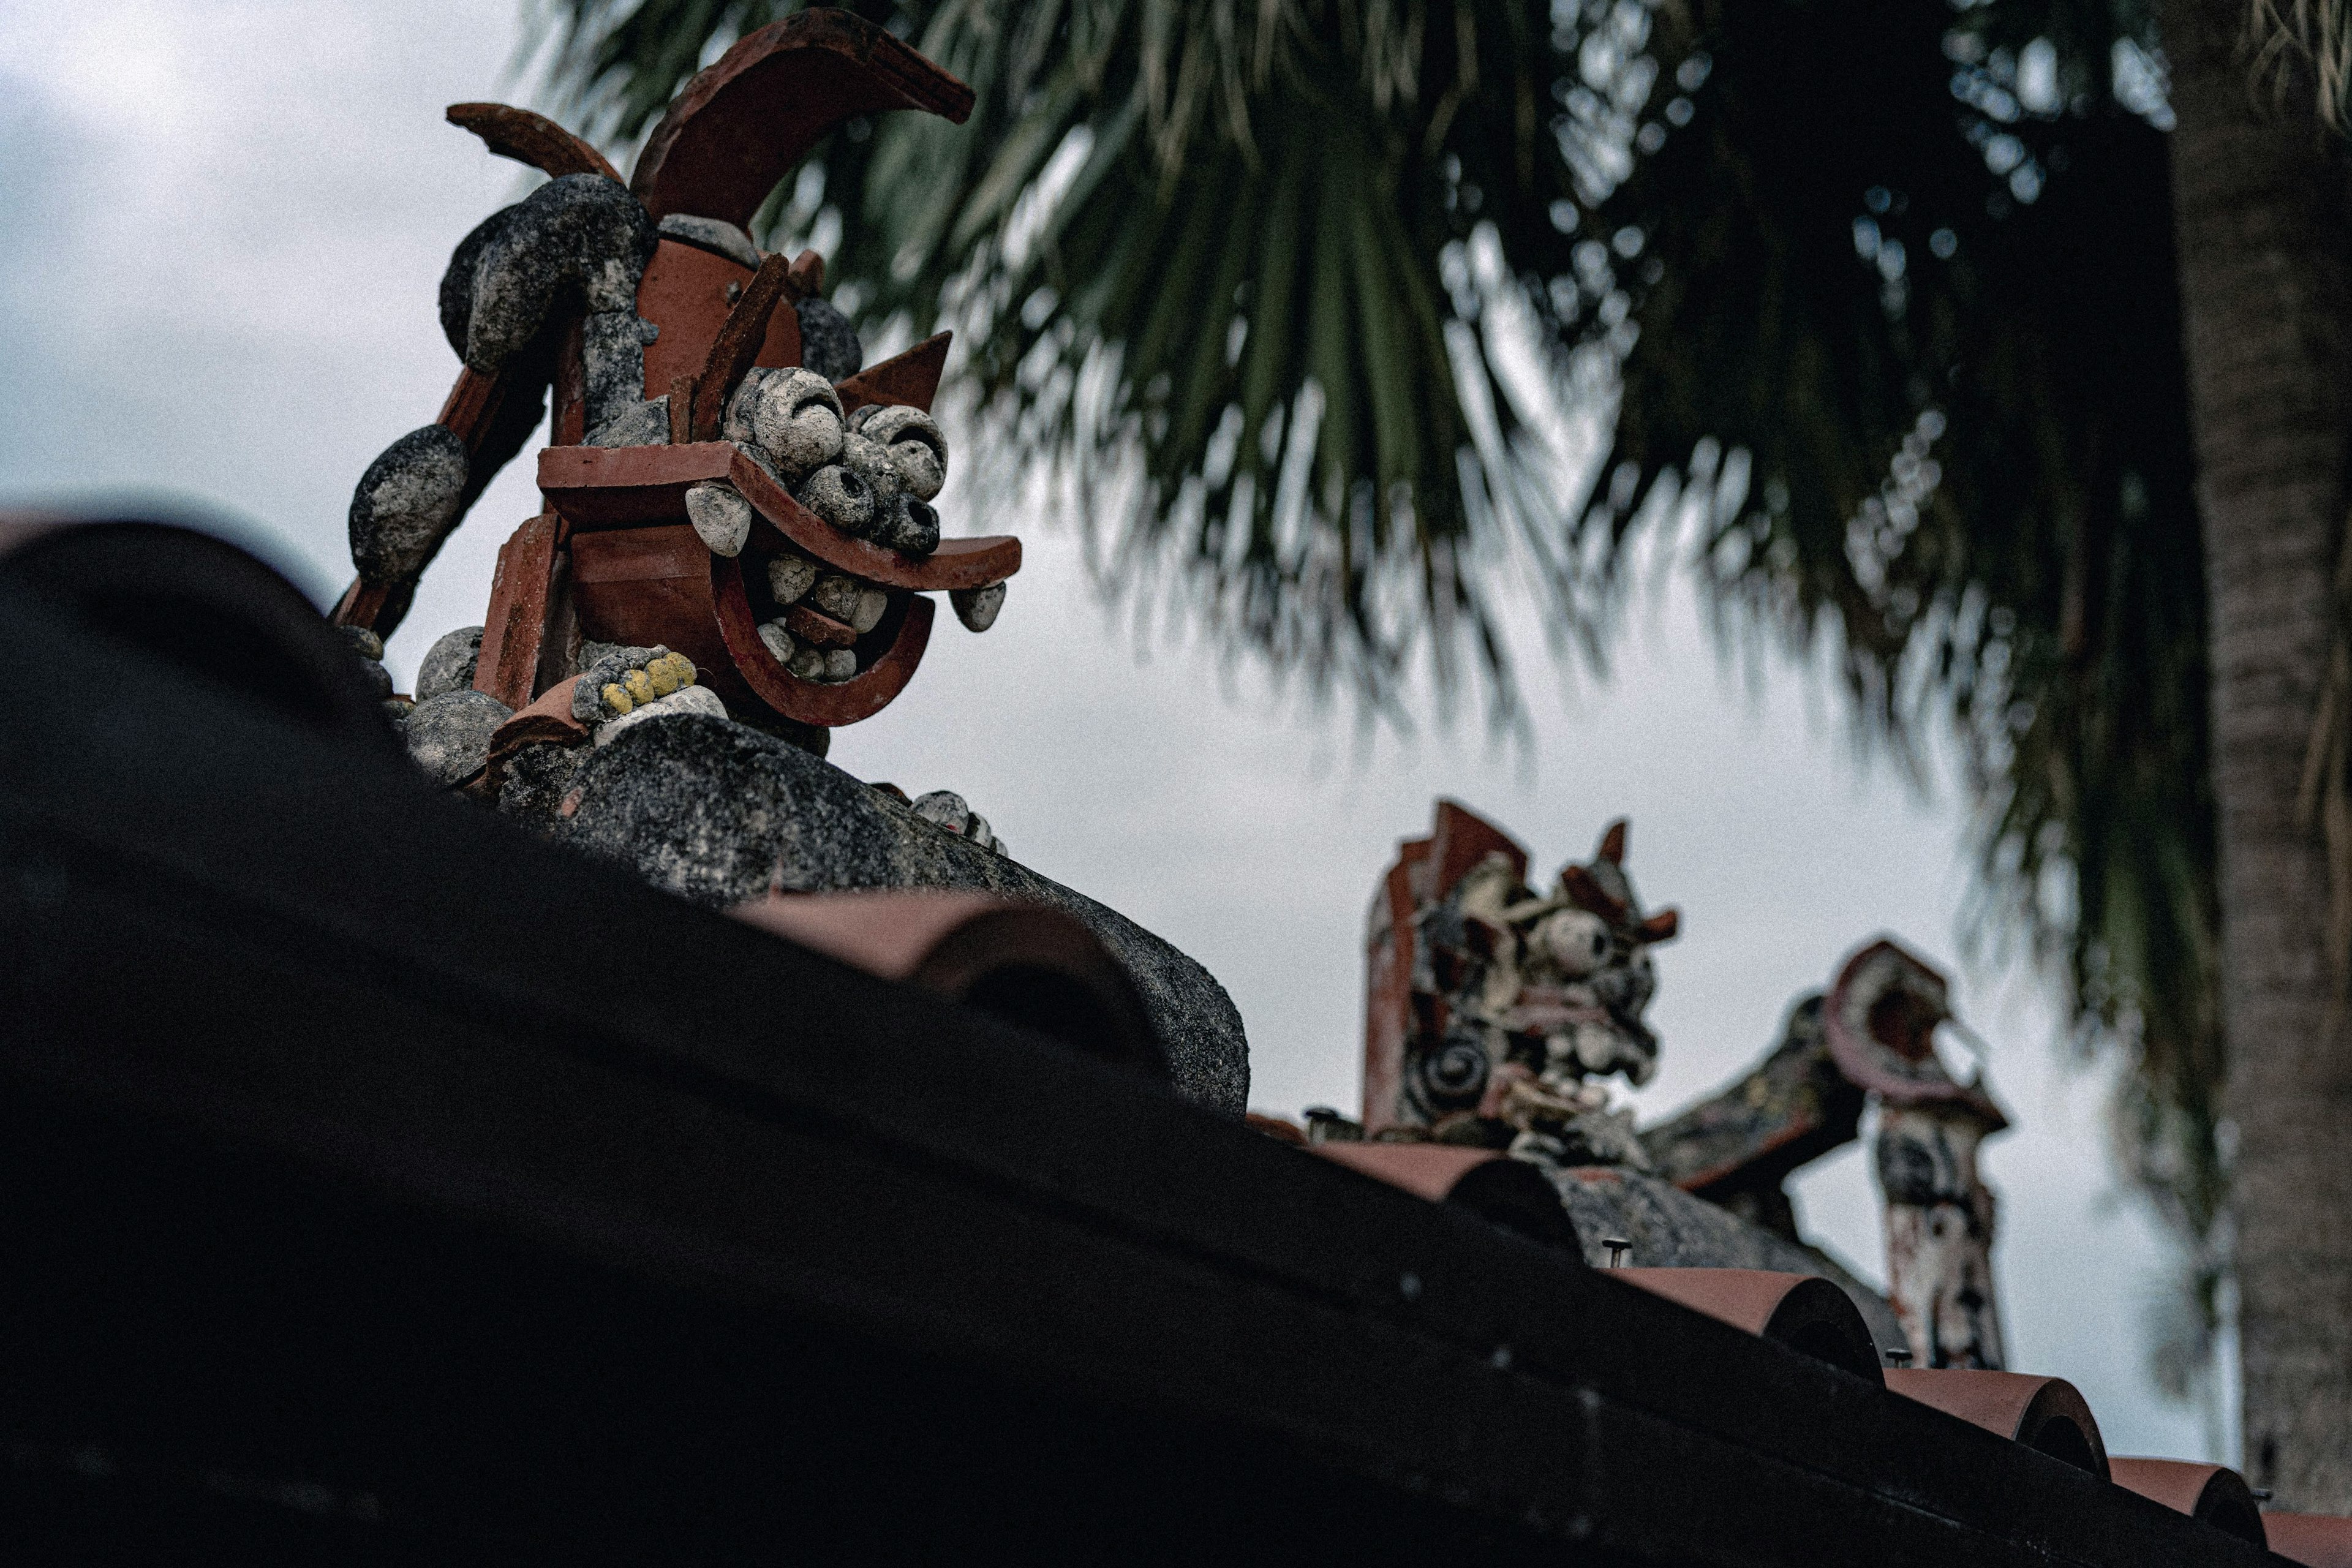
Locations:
(1919, 273)
(2304, 48)
(1887, 290)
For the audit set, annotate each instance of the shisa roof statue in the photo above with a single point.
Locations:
(737, 513)
(1496, 1013)
(1871, 1037)
(1880, 1021)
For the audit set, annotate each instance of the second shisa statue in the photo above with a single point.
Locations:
(1497, 1014)
(738, 516)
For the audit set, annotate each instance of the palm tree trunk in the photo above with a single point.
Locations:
(2260, 205)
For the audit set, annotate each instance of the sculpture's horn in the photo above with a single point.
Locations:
(742, 125)
(1613, 842)
(1586, 891)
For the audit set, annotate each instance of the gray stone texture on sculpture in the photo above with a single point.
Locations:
(449, 737)
(592, 651)
(1669, 1229)
(943, 807)
(370, 649)
(829, 344)
(613, 363)
(714, 235)
(406, 502)
(582, 238)
(537, 778)
(643, 424)
(718, 812)
(456, 299)
(449, 664)
(870, 461)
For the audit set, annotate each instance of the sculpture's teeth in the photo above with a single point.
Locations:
(790, 576)
(977, 607)
(720, 516)
(836, 595)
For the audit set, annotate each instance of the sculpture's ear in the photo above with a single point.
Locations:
(911, 378)
(1661, 926)
(743, 124)
(1586, 892)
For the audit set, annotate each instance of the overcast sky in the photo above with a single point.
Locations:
(221, 230)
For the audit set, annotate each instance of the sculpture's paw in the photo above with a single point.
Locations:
(624, 687)
(947, 809)
(624, 679)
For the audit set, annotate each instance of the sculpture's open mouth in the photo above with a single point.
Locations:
(818, 623)
(626, 494)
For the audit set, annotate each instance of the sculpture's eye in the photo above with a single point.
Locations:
(912, 438)
(1576, 939)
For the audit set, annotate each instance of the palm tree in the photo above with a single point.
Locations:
(2264, 245)
(1893, 295)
